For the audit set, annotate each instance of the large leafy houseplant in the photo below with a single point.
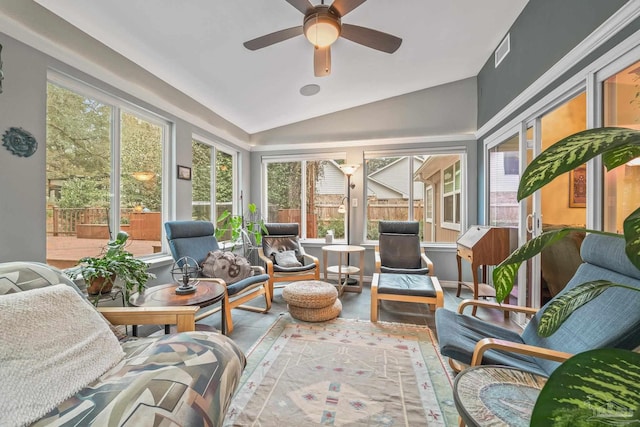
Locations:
(580, 391)
(249, 225)
(114, 263)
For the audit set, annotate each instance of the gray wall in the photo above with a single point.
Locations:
(441, 110)
(544, 32)
(22, 179)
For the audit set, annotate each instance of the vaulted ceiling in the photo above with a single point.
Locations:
(197, 47)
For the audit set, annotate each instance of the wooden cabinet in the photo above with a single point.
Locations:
(482, 246)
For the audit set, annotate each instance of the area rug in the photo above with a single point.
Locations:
(344, 373)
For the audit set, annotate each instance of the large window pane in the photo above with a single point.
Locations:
(141, 182)
(322, 186)
(622, 184)
(504, 176)
(431, 184)
(201, 181)
(83, 211)
(78, 151)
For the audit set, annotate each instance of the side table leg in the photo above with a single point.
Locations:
(134, 330)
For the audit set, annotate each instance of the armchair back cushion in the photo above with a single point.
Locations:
(400, 250)
(191, 238)
(280, 238)
(612, 319)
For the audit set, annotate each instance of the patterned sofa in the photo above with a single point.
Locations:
(182, 379)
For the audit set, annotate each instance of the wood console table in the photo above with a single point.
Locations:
(482, 246)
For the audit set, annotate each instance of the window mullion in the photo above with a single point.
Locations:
(116, 141)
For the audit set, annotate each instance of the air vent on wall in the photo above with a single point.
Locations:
(503, 50)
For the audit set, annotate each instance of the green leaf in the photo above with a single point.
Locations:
(575, 150)
(505, 273)
(595, 388)
(621, 155)
(561, 307)
(631, 228)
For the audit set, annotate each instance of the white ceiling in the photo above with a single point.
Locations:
(196, 46)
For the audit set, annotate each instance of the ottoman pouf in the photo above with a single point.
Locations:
(312, 300)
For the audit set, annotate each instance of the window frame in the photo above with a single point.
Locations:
(118, 107)
(216, 147)
(455, 192)
(303, 158)
(461, 151)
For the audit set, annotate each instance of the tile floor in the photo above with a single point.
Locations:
(250, 326)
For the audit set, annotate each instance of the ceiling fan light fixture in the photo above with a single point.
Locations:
(322, 28)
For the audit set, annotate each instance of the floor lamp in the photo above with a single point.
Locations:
(348, 170)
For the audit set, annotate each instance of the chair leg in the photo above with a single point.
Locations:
(375, 308)
(227, 315)
(267, 297)
(271, 289)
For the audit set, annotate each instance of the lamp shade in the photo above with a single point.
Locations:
(143, 176)
(349, 170)
(341, 209)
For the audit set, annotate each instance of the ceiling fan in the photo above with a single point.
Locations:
(322, 25)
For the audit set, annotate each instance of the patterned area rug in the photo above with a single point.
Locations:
(344, 373)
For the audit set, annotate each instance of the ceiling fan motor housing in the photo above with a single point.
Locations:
(322, 26)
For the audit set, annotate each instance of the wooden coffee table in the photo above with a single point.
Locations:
(206, 294)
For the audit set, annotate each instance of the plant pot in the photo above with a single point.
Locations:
(101, 285)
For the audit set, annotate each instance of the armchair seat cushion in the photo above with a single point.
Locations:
(243, 284)
(458, 335)
(406, 284)
(302, 268)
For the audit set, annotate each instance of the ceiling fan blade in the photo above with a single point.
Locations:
(322, 61)
(303, 6)
(371, 38)
(345, 6)
(273, 38)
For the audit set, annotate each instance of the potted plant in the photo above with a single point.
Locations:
(591, 379)
(249, 226)
(100, 272)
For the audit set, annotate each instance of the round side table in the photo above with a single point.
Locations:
(206, 294)
(496, 395)
(343, 269)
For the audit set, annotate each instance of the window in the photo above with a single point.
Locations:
(622, 184)
(451, 196)
(89, 137)
(317, 184)
(212, 179)
(421, 187)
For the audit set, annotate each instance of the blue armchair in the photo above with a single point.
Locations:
(611, 320)
(196, 239)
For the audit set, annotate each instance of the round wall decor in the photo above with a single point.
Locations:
(19, 142)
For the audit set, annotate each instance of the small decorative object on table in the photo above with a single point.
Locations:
(186, 271)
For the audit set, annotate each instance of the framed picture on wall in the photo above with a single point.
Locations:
(578, 187)
(184, 172)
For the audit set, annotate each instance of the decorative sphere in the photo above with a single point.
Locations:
(185, 272)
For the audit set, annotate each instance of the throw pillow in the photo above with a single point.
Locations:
(227, 266)
(287, 259)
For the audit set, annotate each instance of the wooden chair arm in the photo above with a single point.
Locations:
(268, 261)
(426, 261)
(313, 259)
(182, 317)
(492, 343)
(376, 256)
(491, 304)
